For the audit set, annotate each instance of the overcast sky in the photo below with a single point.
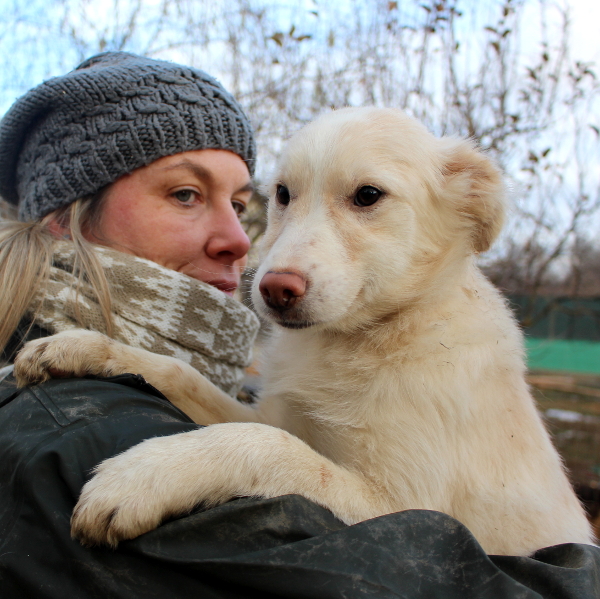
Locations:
(586, 29)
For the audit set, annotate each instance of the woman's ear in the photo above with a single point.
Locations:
(473, 184)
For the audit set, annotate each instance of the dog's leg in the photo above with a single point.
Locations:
(133, 492)
(79, 353)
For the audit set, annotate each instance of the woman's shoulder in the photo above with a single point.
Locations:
(84, 400)
(99, 417)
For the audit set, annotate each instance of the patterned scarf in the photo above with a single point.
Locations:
(156, 309)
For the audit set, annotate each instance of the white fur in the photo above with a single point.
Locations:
(404, 390)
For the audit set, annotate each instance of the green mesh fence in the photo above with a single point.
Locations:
(560, 354)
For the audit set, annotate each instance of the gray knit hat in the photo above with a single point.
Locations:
(72, 135)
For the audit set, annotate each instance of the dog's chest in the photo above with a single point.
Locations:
(337, 402)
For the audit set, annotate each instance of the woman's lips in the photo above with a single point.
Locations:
(227, 287)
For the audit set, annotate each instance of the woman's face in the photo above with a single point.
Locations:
(182, 212)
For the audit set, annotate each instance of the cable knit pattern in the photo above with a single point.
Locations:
(157, 309)
(72, 135)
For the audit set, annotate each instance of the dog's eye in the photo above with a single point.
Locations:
(283, 195)
(367, 196)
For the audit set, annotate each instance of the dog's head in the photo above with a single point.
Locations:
(370, 213)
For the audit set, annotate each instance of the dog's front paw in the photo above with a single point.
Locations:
(113, 508)
(167, 476)
(135, 491)
(116, 505)
(69, 354)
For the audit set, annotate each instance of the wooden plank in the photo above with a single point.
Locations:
(567, 384)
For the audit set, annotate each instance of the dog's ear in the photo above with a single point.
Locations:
(474, 186)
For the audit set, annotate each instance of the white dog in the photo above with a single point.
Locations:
(396, 377)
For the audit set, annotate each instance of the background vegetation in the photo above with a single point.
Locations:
(499, 71)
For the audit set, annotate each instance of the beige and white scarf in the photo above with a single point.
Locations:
(157, 309)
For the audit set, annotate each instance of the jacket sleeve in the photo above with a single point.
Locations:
(52, 435)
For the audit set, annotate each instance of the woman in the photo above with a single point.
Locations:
(153, 161)
(130, 175)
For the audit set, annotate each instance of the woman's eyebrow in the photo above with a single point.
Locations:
(203, 173)
(199, 171)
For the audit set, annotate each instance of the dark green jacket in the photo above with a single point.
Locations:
(52, 435)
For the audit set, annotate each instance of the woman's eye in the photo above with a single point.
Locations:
(367, 196)
(239, 207)
(185, 196)
(283, 195)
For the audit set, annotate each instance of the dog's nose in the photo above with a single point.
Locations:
(281, 290)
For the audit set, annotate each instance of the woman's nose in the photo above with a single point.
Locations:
(228, 240)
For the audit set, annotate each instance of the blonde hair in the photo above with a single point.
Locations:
(26, 258)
